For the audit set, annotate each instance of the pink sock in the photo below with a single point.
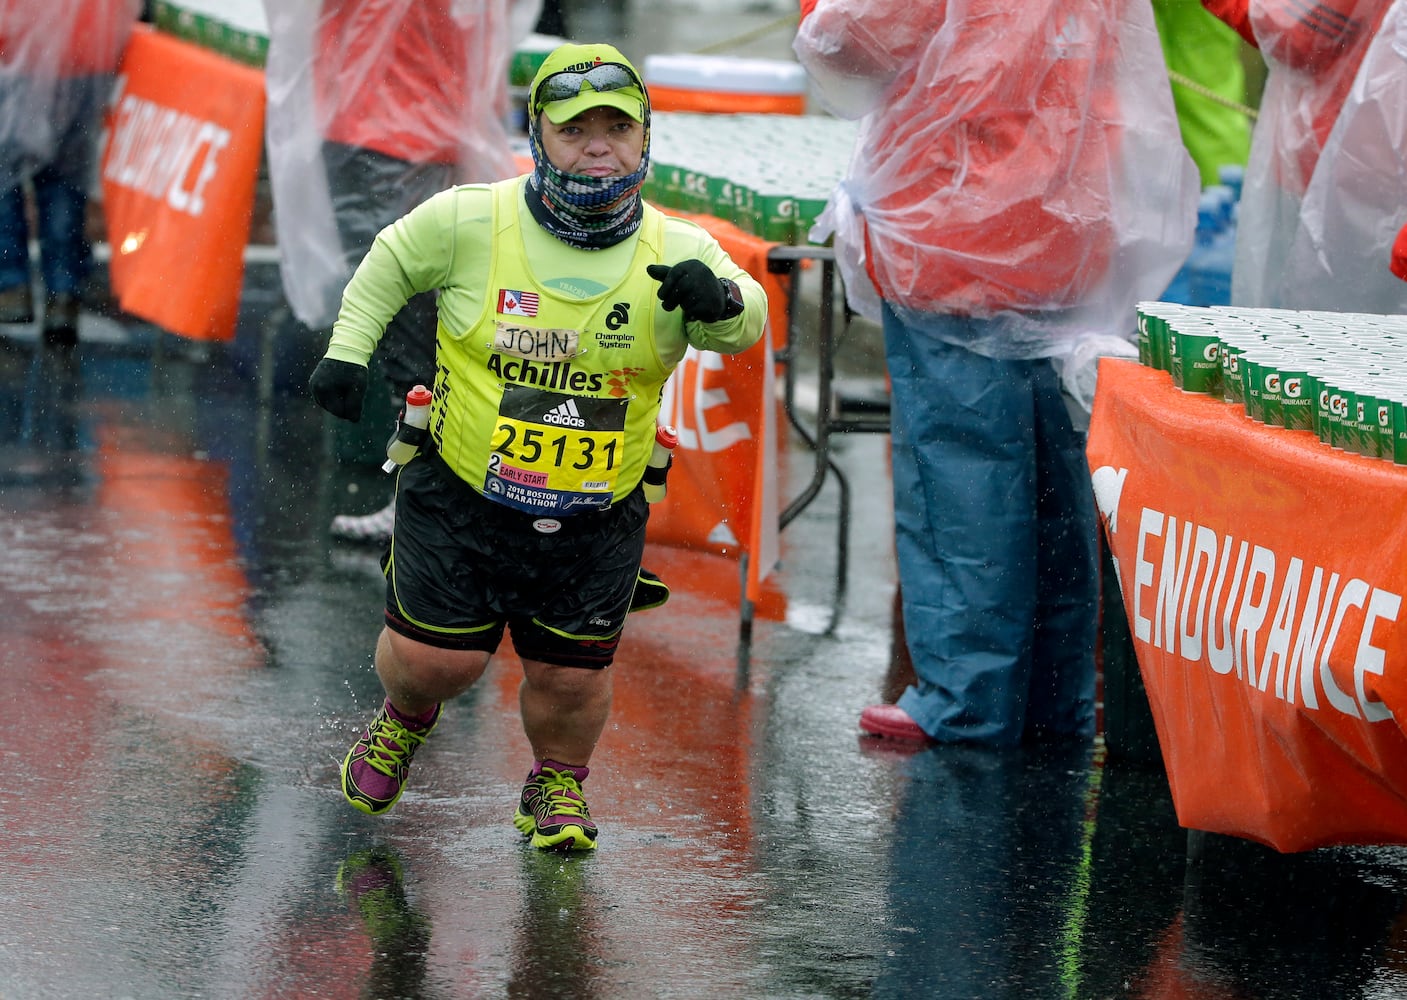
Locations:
(411, 721)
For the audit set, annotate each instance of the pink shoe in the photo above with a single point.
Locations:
(893, 723)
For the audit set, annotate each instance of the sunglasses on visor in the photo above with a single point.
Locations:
(564, 86)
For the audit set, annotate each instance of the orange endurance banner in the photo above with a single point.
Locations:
(1262, 574)
(723, 484)
(178, 177)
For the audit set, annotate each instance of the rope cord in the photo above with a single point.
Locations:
(789, 21)
(1211, 95)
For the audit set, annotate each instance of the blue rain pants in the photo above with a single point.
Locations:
(996, 541)
(64, 253)
(60, 189)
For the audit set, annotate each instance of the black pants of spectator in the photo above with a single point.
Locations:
(369, 192)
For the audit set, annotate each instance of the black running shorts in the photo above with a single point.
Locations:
(461, 569)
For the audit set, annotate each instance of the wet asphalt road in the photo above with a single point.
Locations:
(187, 657)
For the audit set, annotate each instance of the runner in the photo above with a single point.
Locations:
(565, 302)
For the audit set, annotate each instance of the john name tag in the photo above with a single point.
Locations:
(535, 344)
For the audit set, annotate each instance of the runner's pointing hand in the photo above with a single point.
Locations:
(696, 291)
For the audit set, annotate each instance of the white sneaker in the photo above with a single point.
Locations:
(373, 527)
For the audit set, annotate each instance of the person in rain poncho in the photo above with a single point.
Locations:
(58, 59)
(1326, 186)
(1018, 183)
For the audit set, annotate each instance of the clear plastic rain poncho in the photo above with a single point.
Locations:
(416, 80)
(1018, 161)
(1326, 185)
(57, 62)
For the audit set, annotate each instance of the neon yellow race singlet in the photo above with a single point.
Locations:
(548, 403)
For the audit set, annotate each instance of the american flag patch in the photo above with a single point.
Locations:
(515, 303)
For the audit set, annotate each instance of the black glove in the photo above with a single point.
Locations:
(339, 387)
(696, 291)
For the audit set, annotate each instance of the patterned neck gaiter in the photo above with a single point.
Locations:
(590, 213)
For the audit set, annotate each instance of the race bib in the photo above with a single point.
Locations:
(554, 453)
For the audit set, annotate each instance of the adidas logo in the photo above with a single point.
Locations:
(564, 415)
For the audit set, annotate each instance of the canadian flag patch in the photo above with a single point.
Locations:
(512, 302)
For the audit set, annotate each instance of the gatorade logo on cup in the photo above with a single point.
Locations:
(1272, 382)
(1293, 387)
(1212, 352)
(1384, 416)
